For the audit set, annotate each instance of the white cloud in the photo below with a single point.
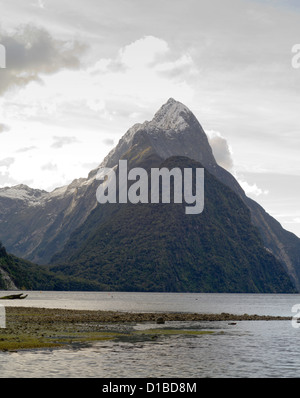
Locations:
(7, 162)
(60, 142)
(293, 220)
(5, 178)
(135, 75)
(76, 114)
(49, 166)
(221, 149)
(131, 80)
(143, 53)
(4, 128)
(230, 64)
(108, 142)
(26, 149)
(252, 190)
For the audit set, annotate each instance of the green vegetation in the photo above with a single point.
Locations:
(50, 328)
(159, 248)
(28, 276)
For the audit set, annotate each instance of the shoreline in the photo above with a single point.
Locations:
(32, 328)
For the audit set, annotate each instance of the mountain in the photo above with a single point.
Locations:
(35, 224)
(157, 247)
(174, 130)
(38, 225)
(16, 274)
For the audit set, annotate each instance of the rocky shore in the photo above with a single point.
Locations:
(28, 328)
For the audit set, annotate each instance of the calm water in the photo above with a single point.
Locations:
(247, 349)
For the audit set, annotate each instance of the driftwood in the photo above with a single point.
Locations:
(14, 297)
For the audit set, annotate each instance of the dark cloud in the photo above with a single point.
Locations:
(31, 52)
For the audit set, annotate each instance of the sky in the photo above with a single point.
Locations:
(80, 73)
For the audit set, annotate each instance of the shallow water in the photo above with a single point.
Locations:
(247, 349)
(261, 304)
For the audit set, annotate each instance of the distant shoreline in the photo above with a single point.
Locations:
(31, 328)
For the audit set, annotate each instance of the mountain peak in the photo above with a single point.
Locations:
(22, 192)
(173, 115)
(173, 131)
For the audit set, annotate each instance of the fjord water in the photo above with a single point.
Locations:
(247, 349)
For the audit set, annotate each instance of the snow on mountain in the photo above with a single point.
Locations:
(35, 224)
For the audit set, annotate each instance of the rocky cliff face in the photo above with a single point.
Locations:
(173, 131)
(36, 224)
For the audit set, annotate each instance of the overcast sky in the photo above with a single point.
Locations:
(80, 73)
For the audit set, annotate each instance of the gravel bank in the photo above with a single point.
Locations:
(28, 328)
